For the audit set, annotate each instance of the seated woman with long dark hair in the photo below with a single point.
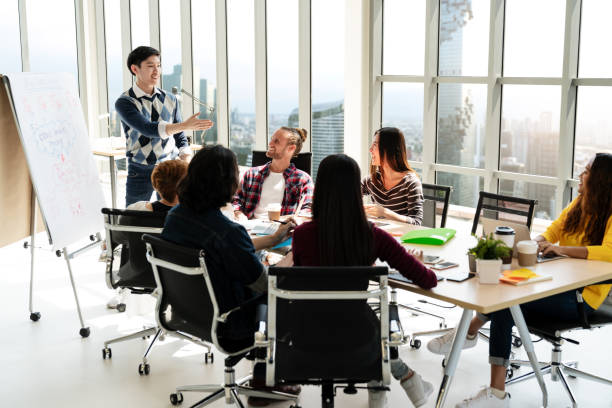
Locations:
(583, 230)
(394, 186)
(340, 235)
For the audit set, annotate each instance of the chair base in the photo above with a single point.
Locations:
(557, 370)
(144, 367)
(230, 390)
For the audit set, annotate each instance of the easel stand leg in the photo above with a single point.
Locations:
(84, 332)
(34, 316)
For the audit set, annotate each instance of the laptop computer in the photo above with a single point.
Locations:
(521, 232)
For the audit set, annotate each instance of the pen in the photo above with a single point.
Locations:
(280, 222)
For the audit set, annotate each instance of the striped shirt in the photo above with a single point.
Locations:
(405, 198)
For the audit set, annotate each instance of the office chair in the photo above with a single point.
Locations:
(514, 209)
(321, 331)
(554, 332)
(303, 161)
(125, 228)
(434, 195)
(187, 307)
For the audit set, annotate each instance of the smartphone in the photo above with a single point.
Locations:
(460, 276)
(443, 265)
(431, 259)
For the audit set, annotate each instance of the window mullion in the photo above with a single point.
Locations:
(222, 88)
(261, 76)
(430, 89)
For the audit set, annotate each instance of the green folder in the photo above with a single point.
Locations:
(429, 236)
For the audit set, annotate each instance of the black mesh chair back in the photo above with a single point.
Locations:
(499, 207)
(436, 200)
(303, 161)
(125, 228)
(185, 304)
(326, 341)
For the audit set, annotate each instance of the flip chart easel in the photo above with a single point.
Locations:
(49, 120)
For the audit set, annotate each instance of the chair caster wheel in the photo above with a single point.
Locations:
(144, 369)
(35, 316)
(107, 353)
(515, 366)
(443, 325)
(84, 332)
(444, 362)
(209, 357)
(415, 343)
(176, 399)
(509, 373)
(517, 342)
(121, 307)
(294, 406)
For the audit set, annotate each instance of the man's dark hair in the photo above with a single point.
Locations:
(211, 180)
(344, 233)
(140, 54)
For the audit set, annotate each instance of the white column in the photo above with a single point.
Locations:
(494, 89)
(103, 120)
(154, 24)
(357, 80)
(565, 163)
(430, 90)
(304, 72)
(222, 89)
(187, 61)
(261, 76)
(126, 41)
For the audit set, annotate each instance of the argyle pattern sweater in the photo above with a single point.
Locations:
(140, 118)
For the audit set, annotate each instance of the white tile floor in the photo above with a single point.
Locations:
(48, 364)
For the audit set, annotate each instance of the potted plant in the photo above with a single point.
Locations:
(488, 253)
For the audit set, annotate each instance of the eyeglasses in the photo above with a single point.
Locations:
(209, 109)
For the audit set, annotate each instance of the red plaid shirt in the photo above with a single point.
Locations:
(297, 183)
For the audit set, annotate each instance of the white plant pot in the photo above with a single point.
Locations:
(488, 270)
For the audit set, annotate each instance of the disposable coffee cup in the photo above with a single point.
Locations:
(274, 211)
(506, 235)
(527, 252)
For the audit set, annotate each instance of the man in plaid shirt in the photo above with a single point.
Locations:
(278, 182)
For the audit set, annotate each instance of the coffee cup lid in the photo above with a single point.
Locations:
(527, 246)
(503, 230)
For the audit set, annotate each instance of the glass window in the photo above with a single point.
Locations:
(461, 124)
(282, 47)
(114, 62)
(533, 41)
(139, 17)
(204, 61)
(595, 32)
(170, 34)
(402, 108)
(241, 77)
(464, 37)
(545, 208)
(530, 129)
(327, 79)
(593, 125)
(10, 46)
(465, 187)
(403, 37)
(52, 40)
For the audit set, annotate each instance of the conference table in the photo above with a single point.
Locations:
(567, 274)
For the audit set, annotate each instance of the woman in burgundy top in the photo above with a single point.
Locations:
(341, 235)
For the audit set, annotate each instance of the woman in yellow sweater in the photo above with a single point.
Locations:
(583, 230)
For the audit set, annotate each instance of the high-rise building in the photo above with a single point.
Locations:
(327, 131)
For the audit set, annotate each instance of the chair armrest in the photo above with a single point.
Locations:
(261, 321)
(252, 301)
(396, 333)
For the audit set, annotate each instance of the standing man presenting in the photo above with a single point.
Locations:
(278, 182)
(152, 123)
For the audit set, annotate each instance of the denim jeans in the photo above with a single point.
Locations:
(563, 306)
(138, 186)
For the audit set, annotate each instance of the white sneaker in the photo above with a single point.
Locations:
(417, 389)
(485, 399)
(376, 399)
(443, 344)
